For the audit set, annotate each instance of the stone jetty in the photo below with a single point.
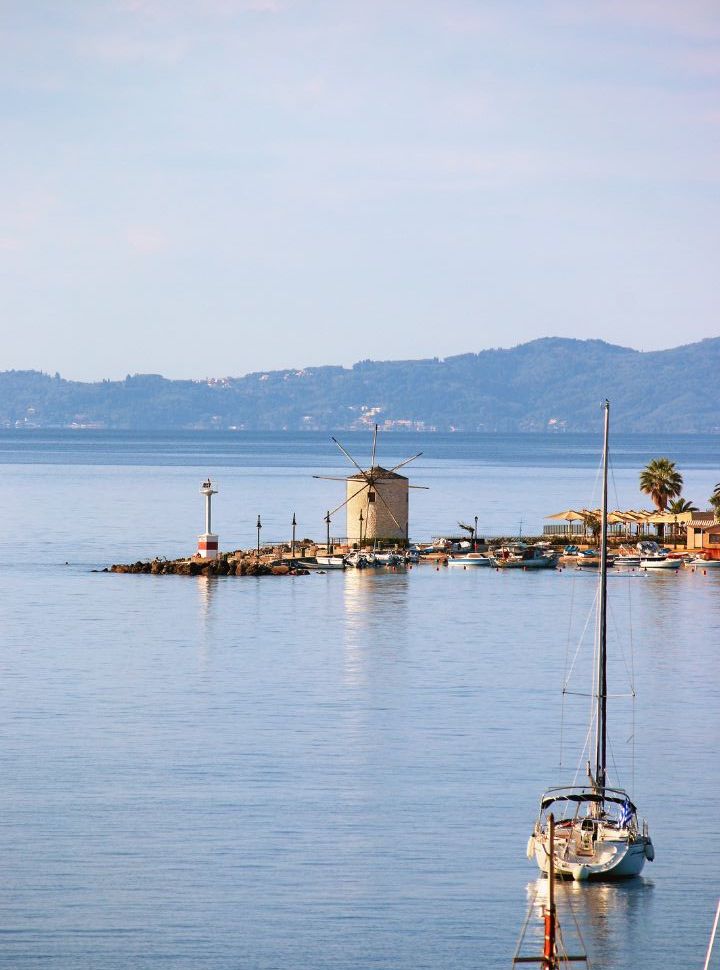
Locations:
(237, 563)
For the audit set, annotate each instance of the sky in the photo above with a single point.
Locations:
(213, 187)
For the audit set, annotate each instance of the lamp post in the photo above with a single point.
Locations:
(327, 539)
(361, 522)
(258, 527)
(292, 545)
(475, 536)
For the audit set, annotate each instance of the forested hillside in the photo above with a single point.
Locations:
(551, 384)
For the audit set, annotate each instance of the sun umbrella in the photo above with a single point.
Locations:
(569, 515)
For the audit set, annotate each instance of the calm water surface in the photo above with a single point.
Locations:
(333, 771)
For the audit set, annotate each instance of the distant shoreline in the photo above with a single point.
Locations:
(548, 386)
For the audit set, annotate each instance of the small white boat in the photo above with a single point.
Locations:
(701, 563)
(588, 560)
(331, 562)
(653, 557)
(471, 559)
(363, 560)
(627, 556)
(389, 559)
(627, 560)
(659, 562)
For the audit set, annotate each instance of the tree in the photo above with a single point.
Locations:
(661, 480)
(715, 502)
(681, 505)
(592, 522)
(677, 507)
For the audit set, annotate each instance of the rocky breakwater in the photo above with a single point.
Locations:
(228, 564)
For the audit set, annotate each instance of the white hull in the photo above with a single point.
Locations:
(330, 562)
(613, 859)
(389, 559)
(660, 563)
(471, 560)
(545, 563)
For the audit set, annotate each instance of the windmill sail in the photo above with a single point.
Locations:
(376, 499)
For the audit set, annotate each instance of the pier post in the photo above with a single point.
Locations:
(258, 527)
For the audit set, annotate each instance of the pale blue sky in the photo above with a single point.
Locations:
(210, 188)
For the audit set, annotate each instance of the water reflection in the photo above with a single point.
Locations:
(612, 917)
(206, 587)
(370, 597)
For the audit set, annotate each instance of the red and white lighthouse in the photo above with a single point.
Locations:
(208, 541)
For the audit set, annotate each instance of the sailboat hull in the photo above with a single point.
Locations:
(612, 860)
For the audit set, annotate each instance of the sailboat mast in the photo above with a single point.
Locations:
(601, 733)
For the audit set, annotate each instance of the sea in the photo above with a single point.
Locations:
(337, 771)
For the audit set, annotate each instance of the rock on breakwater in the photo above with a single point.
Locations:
(229, 564)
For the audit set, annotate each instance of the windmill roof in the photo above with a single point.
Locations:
(377, 472)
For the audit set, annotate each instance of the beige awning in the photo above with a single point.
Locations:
(668, 518)
(569, 515)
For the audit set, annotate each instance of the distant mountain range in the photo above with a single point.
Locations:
(552, 384)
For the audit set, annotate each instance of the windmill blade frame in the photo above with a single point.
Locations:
(371, 478)
(406, 462)
(350, 458)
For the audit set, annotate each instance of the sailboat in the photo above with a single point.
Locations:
(597, 831)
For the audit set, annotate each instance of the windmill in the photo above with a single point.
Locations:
(376, 499)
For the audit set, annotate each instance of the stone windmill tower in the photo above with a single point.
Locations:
(376, 499)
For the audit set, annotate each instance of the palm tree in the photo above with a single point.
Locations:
(715, 502)
(681, 505)
(677, 507)
(592, 522)
(661, 480)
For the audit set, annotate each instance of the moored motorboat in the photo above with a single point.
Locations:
(653, 557)
(597, 834)
(471, 559)
(627, 559)
(521, 556)
(331, 562)
(363, 560)
(589, 559)
(393, 559)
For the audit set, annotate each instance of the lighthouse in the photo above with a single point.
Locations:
(208, 541)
